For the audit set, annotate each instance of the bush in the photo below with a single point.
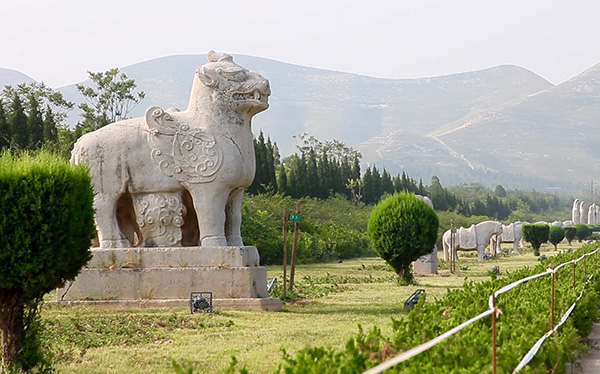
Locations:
(536, 235)
(329, 230)
(402, 228)
(557, 234)
(583, 231)
(46, 226)
(570, 233)
(523, 321)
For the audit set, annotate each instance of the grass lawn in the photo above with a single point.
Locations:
(341, 296)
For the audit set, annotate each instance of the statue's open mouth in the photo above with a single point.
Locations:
(254, 95)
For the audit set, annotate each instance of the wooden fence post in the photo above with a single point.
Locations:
(285, 220)
(294, 246)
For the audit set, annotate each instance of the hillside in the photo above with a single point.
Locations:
(502, 125)
(13, 77)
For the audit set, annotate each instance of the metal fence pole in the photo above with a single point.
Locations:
(552, 301)
(494, 334)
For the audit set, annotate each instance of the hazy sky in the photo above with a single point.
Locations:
(58, 41)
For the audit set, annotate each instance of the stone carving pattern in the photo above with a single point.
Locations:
(160, 217)
(193, 157)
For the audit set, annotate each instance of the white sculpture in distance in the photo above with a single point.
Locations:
(575, 213)
(177, 177)
(582, 212)
(427, 264)
(512, 233)
(474, 238)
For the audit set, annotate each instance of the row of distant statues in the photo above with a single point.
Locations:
(581, 213)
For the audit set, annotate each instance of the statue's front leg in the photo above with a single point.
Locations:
(209, 202)
(233, 218)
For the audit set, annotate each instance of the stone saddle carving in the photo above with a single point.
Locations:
(174, 177)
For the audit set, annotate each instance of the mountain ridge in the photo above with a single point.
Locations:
(454, 126)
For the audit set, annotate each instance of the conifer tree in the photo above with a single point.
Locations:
(387, 186)
(282, 181)
(5, 134)
(35, 124)
(368, 187)
(50, 128)
(17, 120)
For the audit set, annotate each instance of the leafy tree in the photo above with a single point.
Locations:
(46, 228)
(570, 233)
(47, 98)
(536, 235)
(110, 100)
(402, 228)
(583, 231)
(557, 234)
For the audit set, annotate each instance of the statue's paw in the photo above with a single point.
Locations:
(115, 243)
(235, 241)
(214, 241)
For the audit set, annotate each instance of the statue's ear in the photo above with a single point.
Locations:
(208, 76)
(160, 121)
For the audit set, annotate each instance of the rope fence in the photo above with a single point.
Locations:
(494, 312)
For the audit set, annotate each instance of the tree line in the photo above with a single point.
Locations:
(326, 169)
(32, 115)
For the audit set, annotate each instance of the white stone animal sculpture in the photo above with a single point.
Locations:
(475, 238)
(177, 177)
(512, 233)
(575, 213)
(582, 212)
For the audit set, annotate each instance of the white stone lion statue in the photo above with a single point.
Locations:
(173, 177)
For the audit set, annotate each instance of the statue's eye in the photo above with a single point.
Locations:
(238, 75)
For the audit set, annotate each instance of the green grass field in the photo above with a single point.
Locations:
(342, 296)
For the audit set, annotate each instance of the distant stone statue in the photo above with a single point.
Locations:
(474, 238)
(593, 214)
(173, 177)
(512, 233)
(427, 264)
(575, 214)
(582, 212)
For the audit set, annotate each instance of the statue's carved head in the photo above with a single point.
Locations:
(233, 86)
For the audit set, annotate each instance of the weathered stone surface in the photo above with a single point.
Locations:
(174, 177)
(168, 273)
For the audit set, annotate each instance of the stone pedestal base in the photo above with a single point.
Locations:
(426, 265)
(122, 277)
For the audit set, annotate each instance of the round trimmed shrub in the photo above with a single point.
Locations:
(46, 226)
(536, 234)
(583, 231)
(557, 234)
(402, 228)
(570, 233)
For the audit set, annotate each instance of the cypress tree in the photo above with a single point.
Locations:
(50, 128)
(17, 120)
(387, 186)
(282, 182)
(35, 124)
(368, 187)
(377, 188)
(5, 134)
